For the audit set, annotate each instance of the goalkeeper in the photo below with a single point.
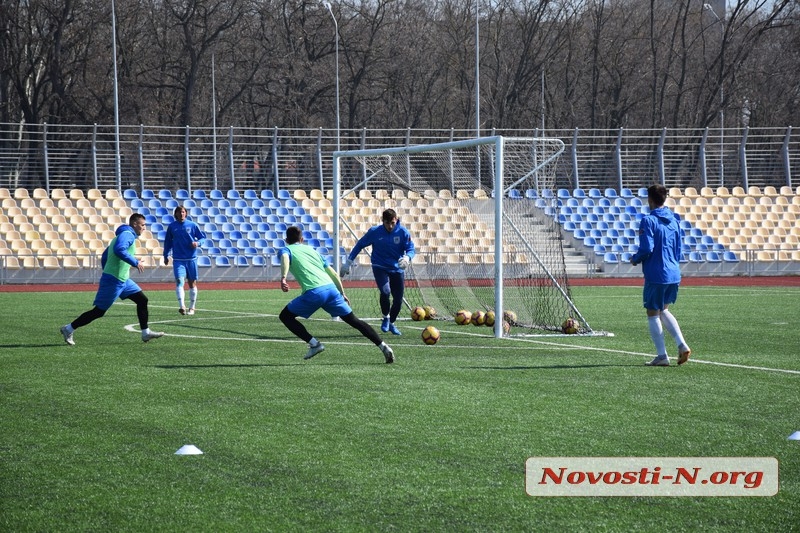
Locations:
(392, 251)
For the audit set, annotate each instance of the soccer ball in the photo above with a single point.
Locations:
(569, 326)
(431, 335)
(463, 317)
(510, 317)
(418, 313)
(478, 318)
(430, 312)
(489, 319)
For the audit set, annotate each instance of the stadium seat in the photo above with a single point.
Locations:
(222, 261)
(259, 261)
(267, 194)
(203, 261)
(233, 194)
(611, 258)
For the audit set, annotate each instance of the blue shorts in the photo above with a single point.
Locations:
(111, 288)
(185, 269)
(326, 297)
(657, 296)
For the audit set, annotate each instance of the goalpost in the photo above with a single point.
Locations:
(485, 238)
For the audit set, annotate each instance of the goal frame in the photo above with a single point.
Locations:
(499, 192)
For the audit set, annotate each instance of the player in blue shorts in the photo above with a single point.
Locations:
(660, 241)
(392, 252)
(183, 238)
(321, 289)
(117, 260)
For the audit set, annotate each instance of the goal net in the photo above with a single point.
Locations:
(486, 239)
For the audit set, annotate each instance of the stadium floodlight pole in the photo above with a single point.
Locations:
(213, 119)
(710, 8)
(336, 53)
(117, 157)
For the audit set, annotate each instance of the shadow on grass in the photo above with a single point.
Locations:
(549, 367)
(220, 365)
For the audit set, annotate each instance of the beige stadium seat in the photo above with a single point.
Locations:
(112, 194)
(769, 190)
(299, 194)
(786, 191)
(94, 194)
(70, 262)
(76, 194)
(50, 262)
(10, 203)
(738, 191)
(316, 194)
(95, 245)
(480, 194)
(707, 192)
(5, 193)
(20, 193)
(46, 203)
(30, 261)
(11, 262)
(382, 194)
(57, 194)
(398, 194)
(754, 191)
(675, 192)
(723, 192)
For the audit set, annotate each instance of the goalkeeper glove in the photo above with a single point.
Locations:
(345, 267)
(404, 262)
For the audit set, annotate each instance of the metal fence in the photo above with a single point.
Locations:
(154, 157)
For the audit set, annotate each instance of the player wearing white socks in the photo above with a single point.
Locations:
(183, 238)
(660, 242)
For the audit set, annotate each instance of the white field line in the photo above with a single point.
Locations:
(501, 344)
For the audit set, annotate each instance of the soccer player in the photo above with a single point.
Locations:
(183, 238)
(321, 288)
(117, 260)
(392, 252)
(660, 240)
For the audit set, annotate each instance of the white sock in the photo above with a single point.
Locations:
(192, 297)
(657, 334)
(181, 294)
(671, 325)
(145, 331)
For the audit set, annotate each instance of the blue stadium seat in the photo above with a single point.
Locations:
(642, 192)
(579, 193)
(730, 257)
(242, 243)
(129, 194)
(203, 219)
(696, 257)
(233, 194)
(595, 193)
(547, 194)
(223, 204)
(257, 204)
(267, 194)
(250, 194)
(241, 261)
(625, 257)
(610, 193)
(164, 194)
(261, 243)
(216, 194)
(258, 260)
(284, 194)
(275, 261)
(713, 257)
(147, 194)
(531, 194)
(611, 258)
(222, 261)
(136, 204)
(182, 194)
(626, 193)
(514, 193)
(563, 194)
(203, 261)
(199, 194)
(171, 204)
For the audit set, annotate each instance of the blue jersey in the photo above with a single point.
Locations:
(179, 239)
(660, 241)
(387, 248)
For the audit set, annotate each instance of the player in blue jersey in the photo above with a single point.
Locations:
(392, 252)
(321, 289)
(660, 241)
(183, 238)
(117, 260)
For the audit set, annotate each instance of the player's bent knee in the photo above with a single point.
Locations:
(286, 315)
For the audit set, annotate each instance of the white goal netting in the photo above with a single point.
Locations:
(485, 238)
